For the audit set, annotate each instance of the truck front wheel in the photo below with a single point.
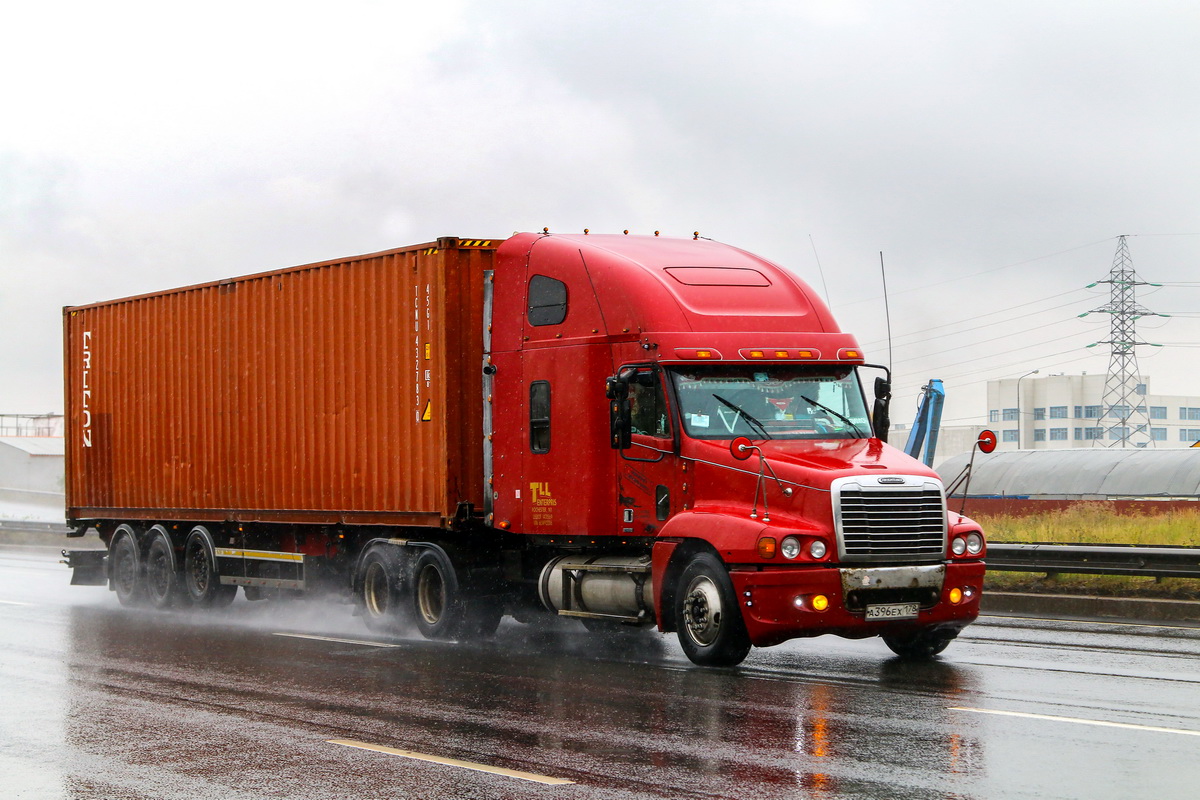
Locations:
(707, 618)
(917, 645)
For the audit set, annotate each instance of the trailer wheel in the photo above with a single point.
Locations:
(126, 573)
(707, 618)
(164, 583)
(917, 646)
(201, 577)
(380, 595)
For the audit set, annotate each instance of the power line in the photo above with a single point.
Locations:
(989, 314)
(981, 272)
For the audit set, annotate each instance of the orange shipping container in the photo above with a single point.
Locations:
(348, 391)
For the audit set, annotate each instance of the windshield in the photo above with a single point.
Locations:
(722, 401)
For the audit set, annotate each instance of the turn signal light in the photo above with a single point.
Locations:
(766, 547)
(956, 596)
(820, 602)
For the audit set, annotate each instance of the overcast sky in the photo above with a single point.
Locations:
(993, 154)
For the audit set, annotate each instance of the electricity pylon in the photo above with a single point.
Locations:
(1124, 420)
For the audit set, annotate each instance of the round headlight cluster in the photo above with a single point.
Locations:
(817, 549)
(790, 547)
(971, 543)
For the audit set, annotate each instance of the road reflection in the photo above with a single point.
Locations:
(624, 710)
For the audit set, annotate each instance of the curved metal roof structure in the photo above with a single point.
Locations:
(1080, 474)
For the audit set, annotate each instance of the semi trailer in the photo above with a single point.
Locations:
(635, 431)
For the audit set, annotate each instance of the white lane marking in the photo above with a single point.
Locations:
(14, 603)
(452, 762)
(1095, 622)
(1077, 721)
(335, 639)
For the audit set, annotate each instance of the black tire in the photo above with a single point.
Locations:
(164, 583)
(917, 646)
(201, 577)
(708, 619)
(126, 569)
(381, 590)
(438, 605)
(443, 608)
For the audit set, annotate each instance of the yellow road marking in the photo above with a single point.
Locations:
(452, 762)
(1077, 721)
(334, 639)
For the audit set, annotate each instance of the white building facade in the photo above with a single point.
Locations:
(1054, 412)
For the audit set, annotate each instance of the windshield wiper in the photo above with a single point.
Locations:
(858, 432)
(746, 415)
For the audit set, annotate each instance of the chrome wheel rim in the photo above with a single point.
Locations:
(431, 594)
(702, 611)
(375, 593)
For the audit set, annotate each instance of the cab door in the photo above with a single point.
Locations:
(649, 483)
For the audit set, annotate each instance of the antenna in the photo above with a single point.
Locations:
(820, 270)
(887, 312)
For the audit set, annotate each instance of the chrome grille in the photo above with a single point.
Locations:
(883, 523)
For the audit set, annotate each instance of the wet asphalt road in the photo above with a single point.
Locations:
(102, 702)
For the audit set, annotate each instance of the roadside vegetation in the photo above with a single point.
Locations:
(1094, 523)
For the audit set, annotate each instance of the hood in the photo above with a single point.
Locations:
(816, 462)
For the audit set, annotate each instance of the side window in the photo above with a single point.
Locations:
(648, 407)
(547, 301)
(539, 416)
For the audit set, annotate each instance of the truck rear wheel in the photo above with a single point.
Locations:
(917, 645)
(201, 577)
(444, 608)
(164, 583)
(707, 617)
(126, 571)
(380, 594)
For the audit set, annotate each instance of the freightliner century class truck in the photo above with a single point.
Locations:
(629, 430)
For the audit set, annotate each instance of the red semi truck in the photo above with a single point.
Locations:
(629, 430)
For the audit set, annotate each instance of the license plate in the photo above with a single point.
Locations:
(893, 611)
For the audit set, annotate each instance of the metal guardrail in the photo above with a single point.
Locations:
(34, 527)
(1090, 559)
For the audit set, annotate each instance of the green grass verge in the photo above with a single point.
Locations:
(1095, 523)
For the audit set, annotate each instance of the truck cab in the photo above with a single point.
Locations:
(688, 422)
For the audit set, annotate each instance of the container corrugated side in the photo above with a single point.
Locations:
(348, 391)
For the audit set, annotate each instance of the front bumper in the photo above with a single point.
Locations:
(776, 601)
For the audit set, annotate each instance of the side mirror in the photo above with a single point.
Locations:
(620, 421)
(880, 421)
(741, 448)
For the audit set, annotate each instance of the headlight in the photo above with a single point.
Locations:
(974, 544)
(817, 549)
(790, 547)
(958, 546)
